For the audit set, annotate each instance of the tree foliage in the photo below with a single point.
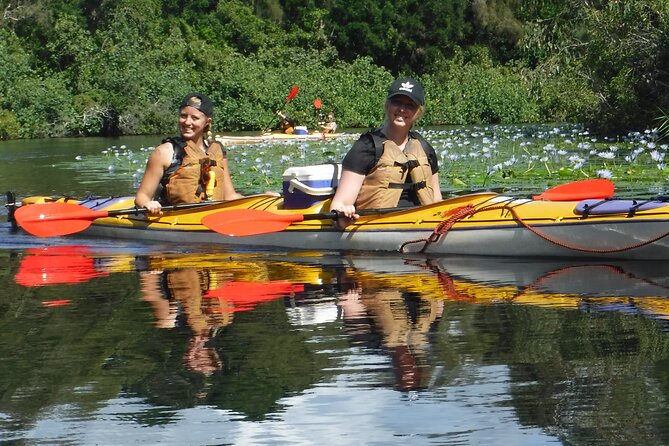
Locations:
(82, 67)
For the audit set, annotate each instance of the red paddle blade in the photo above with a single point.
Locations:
(243, 222)
(292, 93)
(55, 266)
(579, 190)
(244, 296)
(55, 219)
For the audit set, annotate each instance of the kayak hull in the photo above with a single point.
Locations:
(500, 241)
(494, 226)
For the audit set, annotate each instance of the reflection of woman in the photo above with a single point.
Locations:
(402, 319)
(181, 291)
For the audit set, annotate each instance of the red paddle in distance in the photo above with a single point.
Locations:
(291, 95)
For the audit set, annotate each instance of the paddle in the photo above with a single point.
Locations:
(291, 95)
(579, 190)
(59, 218)
(245, 222)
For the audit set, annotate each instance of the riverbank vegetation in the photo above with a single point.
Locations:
(79, 67)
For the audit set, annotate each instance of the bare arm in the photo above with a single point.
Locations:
(229, 192)
(344, 199)
(436, 187)
(158, 162)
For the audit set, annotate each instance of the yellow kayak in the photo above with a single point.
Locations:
(482, 224)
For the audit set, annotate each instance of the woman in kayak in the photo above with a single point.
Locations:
(329, 126)
(187, 168)
(392, 165)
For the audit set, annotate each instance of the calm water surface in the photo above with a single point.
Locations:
(106, 342)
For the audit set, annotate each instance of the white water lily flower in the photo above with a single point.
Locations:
(657, 156)
(604, 173)
(606, 155)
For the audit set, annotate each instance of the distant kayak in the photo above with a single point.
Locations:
(269, 137)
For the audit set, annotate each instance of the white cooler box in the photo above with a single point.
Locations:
(305, 186)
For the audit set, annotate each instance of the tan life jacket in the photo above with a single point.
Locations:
(383, 186)
(189, 182)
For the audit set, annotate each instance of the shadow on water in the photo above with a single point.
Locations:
(128, 336)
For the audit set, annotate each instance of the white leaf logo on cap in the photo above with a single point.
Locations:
(407, 86)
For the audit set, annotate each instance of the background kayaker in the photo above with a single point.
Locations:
(329, 126)
(188, 168)
(286, 123)
(391, 165)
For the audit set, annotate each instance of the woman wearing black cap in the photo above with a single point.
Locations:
(187, 168)
(391, 165)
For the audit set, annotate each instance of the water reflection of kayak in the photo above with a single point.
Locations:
(642, 285)
(594, 285)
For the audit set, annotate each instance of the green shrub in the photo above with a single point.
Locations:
(9, 126)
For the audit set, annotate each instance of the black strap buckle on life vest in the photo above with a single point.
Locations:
(408, 186)
(407, 166)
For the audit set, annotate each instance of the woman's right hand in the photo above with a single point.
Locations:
(154, 208)
(347, 214)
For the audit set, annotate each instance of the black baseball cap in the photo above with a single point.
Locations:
(409, 87)
(199, 101)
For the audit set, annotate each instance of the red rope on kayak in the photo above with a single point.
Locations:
(456, 215)
(577, 248)
(462, 212)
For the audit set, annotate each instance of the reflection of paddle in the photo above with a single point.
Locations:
(56, 265)
(60, 218)
(579, 190)
(291, 95)
(246, 295)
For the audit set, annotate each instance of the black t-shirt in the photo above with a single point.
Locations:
(362, 158)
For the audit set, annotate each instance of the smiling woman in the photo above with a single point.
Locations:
(391, 165)
(187, 168)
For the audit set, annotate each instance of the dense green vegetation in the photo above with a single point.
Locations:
(110, 67)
